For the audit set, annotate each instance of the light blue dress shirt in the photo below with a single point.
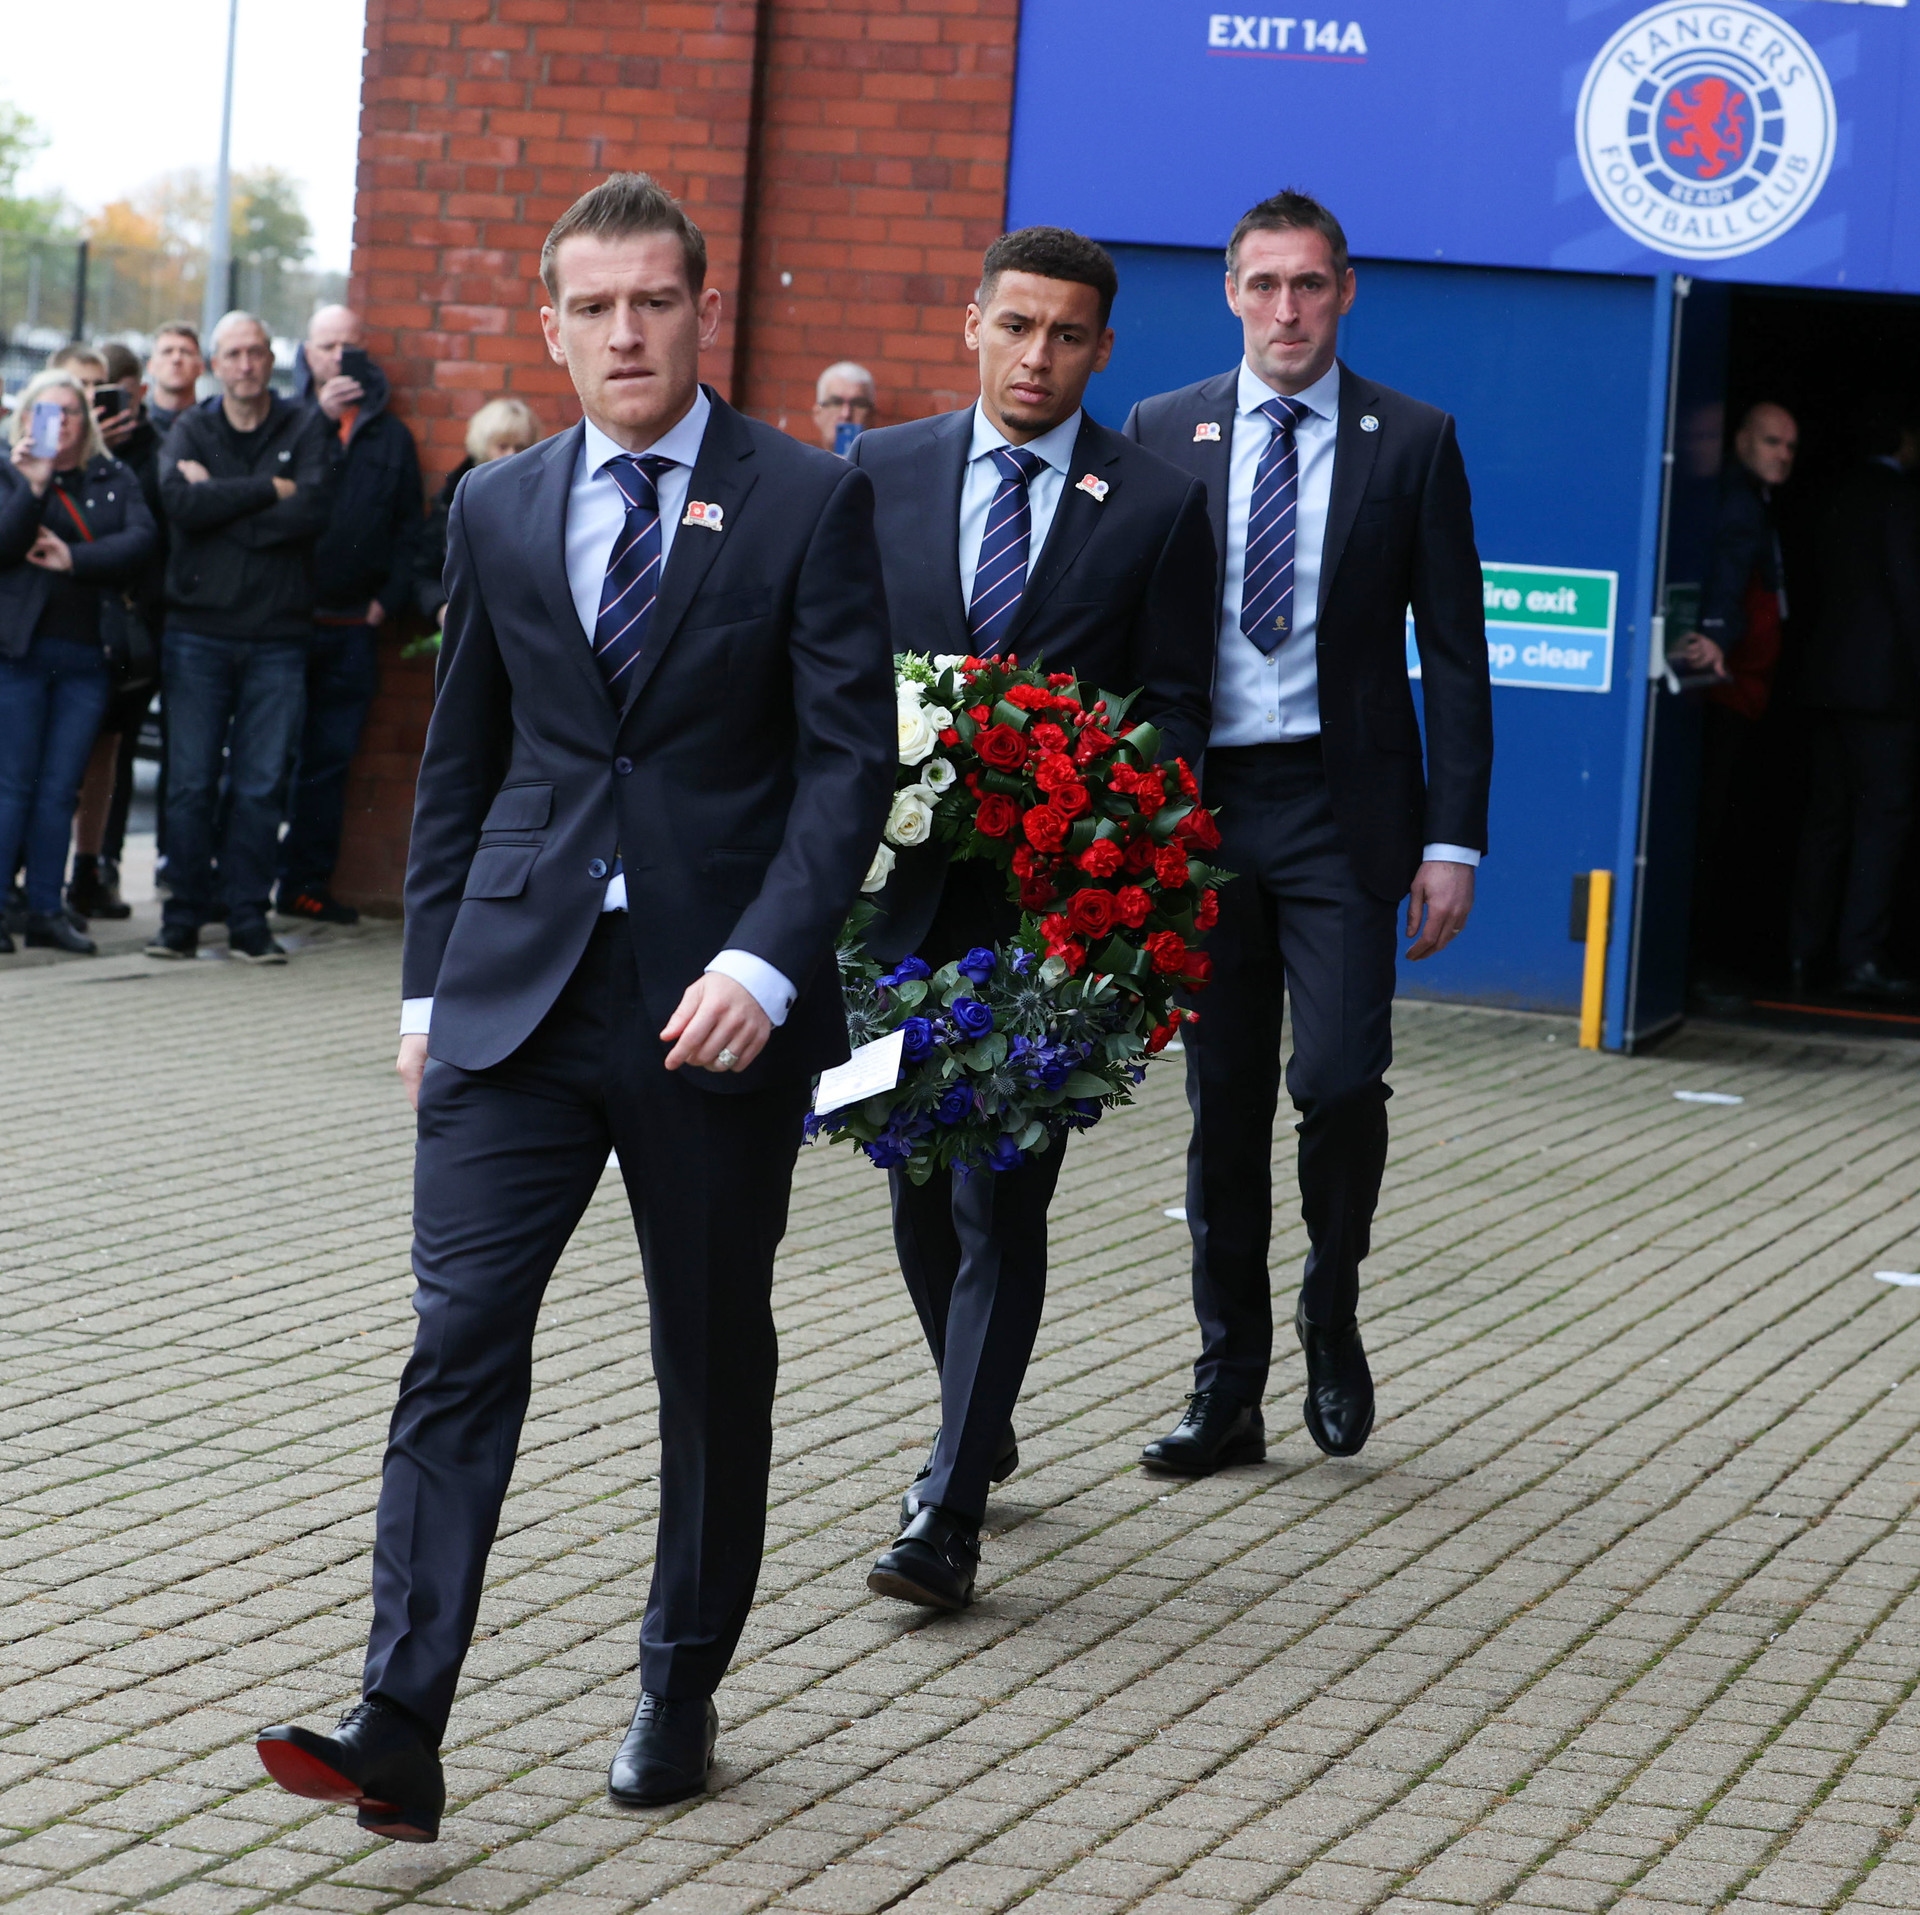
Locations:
(982, 481)
(596, 513)
(1273, 698)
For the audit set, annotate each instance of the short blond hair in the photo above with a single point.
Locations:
(500, 419)
(41, 382)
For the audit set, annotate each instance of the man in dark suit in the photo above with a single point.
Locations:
(666, 685)
(992, 545)
(1862, 680)
(1336, 504)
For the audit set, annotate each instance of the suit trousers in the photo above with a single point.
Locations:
(973, 1250)
(1296, 921)
(1853, 835)
(507, 1161)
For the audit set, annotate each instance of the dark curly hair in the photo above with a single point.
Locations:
(1050, 252)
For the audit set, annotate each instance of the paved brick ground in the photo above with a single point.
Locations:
(1617, 1611)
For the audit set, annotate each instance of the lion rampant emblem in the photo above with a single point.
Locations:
(1707, 123)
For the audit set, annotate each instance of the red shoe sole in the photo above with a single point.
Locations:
(300, 1773)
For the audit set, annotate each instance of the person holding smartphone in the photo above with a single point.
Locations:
(363, 574)
(74, 531)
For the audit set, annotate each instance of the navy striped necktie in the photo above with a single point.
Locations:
(1000, 575)
(633, 572)
(1266, 590)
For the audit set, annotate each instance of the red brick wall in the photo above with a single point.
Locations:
(875, 176)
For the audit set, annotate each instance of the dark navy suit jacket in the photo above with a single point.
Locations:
(744, 780)
(1121, 594)
(1399, 533)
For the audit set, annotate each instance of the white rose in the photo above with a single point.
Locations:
(910, 820)
(915, 730)
(909, 691)
(949, 661)
(938, 775)
(880, 870)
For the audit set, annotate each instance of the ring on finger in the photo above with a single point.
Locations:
(726, 1061)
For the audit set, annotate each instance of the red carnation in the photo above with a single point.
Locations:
(1199, 969)
(1001, 747)
(1170, 867)
(1189, 785)
(1055, 770)
(1036, 893)
(1071, 801)
(949, 738)
(1047, 736)
(1132, 905)
(1057, 679)
(1140, 852)
(1198, 828)
(1046, 828)
(1159, 1038)
(1101, 859)
(997, 815)
(1061, 942)
(1029, 697)
(1124, 778)
(1091, 913)
(980, 714)
(1168, 951)
(1092, 743)
(1150, 791)
(1208, 913)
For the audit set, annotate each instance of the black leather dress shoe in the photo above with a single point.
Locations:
(933, 1562)
(1004, 1466)
(377, 1759)
(55, 931)
(666, 1752)
(1339, 1404)
(1864, 980)
(1217, 1431)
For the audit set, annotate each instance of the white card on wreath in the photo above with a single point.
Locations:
(872, 1068)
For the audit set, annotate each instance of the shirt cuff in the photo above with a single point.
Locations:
(416, 1016)
(1450, 854)
(772, 990)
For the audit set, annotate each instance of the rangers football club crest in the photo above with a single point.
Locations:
(1095, 489)
(1706, 131)
(1207, 432)
(707, 515)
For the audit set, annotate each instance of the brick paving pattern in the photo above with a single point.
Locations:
(1617, 1611)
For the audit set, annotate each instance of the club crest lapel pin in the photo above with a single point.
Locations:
(707, 515)
(1368, 423)
(1207, 432)
(1095, 489)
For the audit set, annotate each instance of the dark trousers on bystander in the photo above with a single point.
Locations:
(51, 702)
(1853, 836)
(343, 675)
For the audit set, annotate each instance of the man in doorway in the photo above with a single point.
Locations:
(173, 373)
(994, 546)
(1336, 503)
(363, 568)
(665, 683)
(1743, 606)
(844, 399)
(1863, 684)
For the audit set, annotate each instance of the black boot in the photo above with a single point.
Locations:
(1339, 1402)
(1217, 1431)
(1004, 1465)
(379, 1759)
(53, 931)
(666, 1752)
(933, 1563)
(94, 889)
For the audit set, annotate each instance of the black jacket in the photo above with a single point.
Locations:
(240, 560)
(123, 540)
(369, 549)
(1399, 533)
(744, 780)
(1121, 594)
(140, 452)
(1865, 657)
(1744, 542)
(430, 564)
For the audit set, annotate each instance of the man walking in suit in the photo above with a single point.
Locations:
(1336, 504)
(658, 764)
(992, 545)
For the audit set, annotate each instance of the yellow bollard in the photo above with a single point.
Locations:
(1593, 983)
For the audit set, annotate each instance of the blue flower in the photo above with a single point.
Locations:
(1022, 962)
(909, 970)
(955, 1105)
(918, 1032)
(977, 964)
(970, 1017)
(888, 1151)
(1082, 1113)
(813, 1124)
(1004, 1153)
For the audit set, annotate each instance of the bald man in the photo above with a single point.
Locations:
(363, 574)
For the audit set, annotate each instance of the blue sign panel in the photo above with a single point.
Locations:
(1549, 627)
(1720, 137)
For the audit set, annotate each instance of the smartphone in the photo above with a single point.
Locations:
(356, 363)
(109, 399)
(46, 428)
(844, 435)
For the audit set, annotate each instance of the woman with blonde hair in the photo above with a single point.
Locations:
(74, 530)
(499, 429)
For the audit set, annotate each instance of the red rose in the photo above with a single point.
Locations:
(1001, 747)
(1055, 771)
(997, 815)
(1047, 736)
(1092, 743)
(1208, 913)
(1024, 862)
(1071, 801)
(980, 714)
(1198, 828)
(1046, 828)
(1091, 913)
(1140, 852)
(1101, 859)
(1133, 906)
(1170, 867)
(1199, 969)
(1168, 951)
(1036, 893)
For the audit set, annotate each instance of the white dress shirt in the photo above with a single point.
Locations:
(596, 515)
(982, 481)
(1271, 698)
